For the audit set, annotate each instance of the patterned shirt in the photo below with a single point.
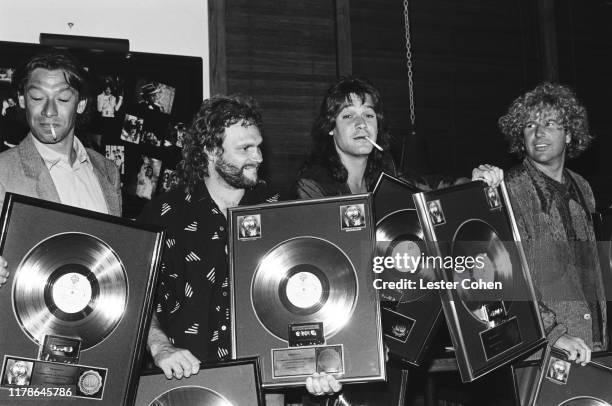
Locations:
(193, 291)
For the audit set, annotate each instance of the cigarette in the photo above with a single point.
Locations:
(378, 147)
(53, 132)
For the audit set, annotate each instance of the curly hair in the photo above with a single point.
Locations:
(324, 151)
(547, 96)
(207, 133)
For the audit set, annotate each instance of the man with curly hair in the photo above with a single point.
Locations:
(221, 158)
(553, 207)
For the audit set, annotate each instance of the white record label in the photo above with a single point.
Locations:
(304, 290)
(71, 292)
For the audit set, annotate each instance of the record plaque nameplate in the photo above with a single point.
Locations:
(308, 280)
(305, 361)
(482, 276)
(72, 322)
(27, 377)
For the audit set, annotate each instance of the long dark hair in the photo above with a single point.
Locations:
(324, 151)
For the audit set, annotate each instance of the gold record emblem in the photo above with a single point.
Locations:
(70, 285)
(90, 382)
(303, 280)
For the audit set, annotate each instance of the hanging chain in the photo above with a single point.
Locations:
(409, 61)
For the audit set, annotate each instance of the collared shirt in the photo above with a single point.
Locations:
(76, 184)
(193, 292)
(316, 181)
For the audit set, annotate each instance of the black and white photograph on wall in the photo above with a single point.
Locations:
(143, 183)
(109, 99)
(116, 153)
(132, 129)
(108, 105)
(181, 130)
(13, 127)
(6, 74)
(175, 135)
(150, 138)
(154, 96)
(168, 179)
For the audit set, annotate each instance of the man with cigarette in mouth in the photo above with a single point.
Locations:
(349, 138)
(351, 143)
(51, 163)
(350, 150)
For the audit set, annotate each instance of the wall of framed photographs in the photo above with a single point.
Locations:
(138, 110)
(156, 26)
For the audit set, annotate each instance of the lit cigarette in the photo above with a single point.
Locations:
(53, 132)
(378, 147)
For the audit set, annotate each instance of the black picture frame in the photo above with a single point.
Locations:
(561, 380)
(105, 371)
(396, 217)
(236, 381)
(316, 234)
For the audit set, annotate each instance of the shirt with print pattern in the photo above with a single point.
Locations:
(193, 291)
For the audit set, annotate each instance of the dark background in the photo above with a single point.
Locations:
(471, 59)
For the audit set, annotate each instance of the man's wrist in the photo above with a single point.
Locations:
(159, 346)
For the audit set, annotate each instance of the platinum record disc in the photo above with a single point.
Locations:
(477, 238)
(70, 285)
(400, 233)
(190, 396)
(304, 280)
(584, 401)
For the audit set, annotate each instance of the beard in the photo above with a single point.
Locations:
(234, 175)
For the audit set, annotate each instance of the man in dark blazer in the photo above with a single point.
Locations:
(51, 163)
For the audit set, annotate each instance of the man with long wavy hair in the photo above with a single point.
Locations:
(221, 158)
(343, 161)
(553, 207)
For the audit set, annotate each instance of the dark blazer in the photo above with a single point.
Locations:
(563, 303)
(23, 171)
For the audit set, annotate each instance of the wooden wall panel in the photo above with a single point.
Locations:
(584, 36)
(283, 54)
(470, 58)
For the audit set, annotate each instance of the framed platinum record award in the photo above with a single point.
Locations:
(482, 275)
(73, 316)
(303, 298)
(565, 383)
(410, 314)
(230, 383)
